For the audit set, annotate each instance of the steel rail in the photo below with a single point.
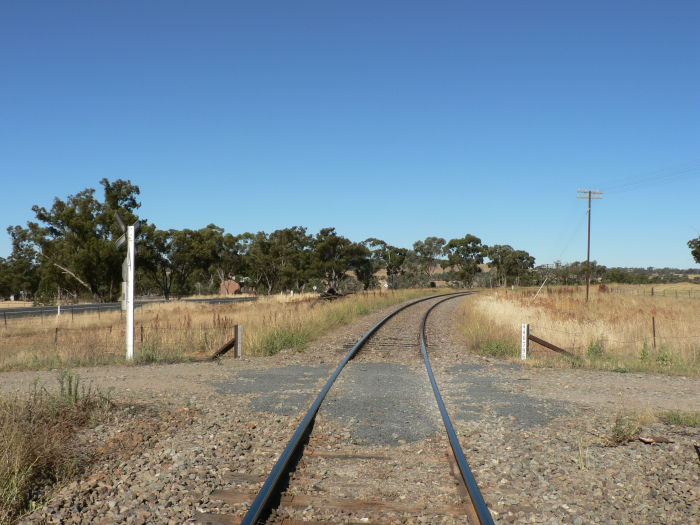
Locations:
(482, 511)
(269, 494)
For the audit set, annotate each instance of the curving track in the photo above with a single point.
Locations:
(318, 479)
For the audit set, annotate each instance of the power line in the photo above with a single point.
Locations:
(654, 178)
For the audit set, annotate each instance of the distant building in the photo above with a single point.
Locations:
(229, 288)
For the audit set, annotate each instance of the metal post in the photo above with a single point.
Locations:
(653, 329)
(239, 340)
(525, 341)
(130, 292)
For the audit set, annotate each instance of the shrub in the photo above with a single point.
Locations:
(595, 349)
(664, 356)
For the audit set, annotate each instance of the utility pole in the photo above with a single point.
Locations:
(590, 195)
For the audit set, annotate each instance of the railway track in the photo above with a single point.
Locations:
(325, 474)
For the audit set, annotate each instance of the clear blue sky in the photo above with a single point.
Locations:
(396, 120)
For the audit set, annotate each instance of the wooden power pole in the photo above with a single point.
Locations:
(590, 195)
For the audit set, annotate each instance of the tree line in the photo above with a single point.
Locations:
(69, 250)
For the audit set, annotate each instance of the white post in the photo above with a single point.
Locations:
(130, 267)
(239, 341)
(525, 341)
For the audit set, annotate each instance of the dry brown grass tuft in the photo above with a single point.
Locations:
(613, 331)
(182, 331)
(35, 440)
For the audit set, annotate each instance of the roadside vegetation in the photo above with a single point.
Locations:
(619, 329)
(178, 331)
(37, 440)
(629, 425)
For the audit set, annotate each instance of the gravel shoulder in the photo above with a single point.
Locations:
(535, 437)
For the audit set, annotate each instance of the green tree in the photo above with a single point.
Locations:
(75, 239)
(694, 245)
(428, 253)
(335, 255)
(464, 256)
(387, 257)
(510, 264)
(263, 269)
(291, 250)
(19, 273)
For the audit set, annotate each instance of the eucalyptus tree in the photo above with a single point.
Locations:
(74, 240)
(509, 263)
(464, 255)
(334, 256)
(428, 253)
(694, 245)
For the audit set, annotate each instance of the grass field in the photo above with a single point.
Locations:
(15, 304)
(614, 331)
(675, 290)
(177, 331)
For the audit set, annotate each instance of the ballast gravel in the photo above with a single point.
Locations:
(536, 439)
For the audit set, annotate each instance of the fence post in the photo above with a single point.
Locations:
(653, 329)
(525, 341)
(239, 341)
(55, 336)
(5, 316)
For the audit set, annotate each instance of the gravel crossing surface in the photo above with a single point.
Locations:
(536, 439)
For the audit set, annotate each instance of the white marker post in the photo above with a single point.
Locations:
(130, 267)
(239, 341)
(525, 341)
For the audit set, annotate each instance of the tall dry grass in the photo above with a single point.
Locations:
(182, 331)
(612, 330)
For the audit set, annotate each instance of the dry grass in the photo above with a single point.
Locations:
(182, 331)
(35, 440)
(15, 304)
(675, 290)
(613, 331)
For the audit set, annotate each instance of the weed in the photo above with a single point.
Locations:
(644, 354)
(582, 455)
(680, 418)
(664, 356)
(575, 361)
(499, 348)
(35, 440)
(595, 349)
(624, 430)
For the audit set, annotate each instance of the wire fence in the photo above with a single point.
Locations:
(665, 292)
